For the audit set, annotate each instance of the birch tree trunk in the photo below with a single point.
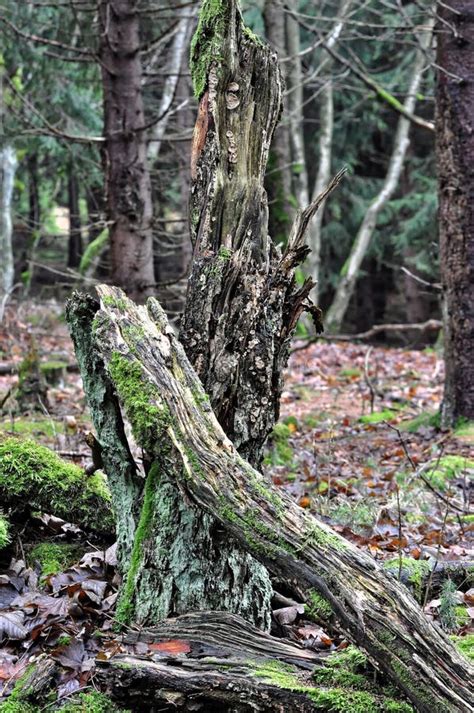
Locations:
(173, 68)
(279, 174)
(8, 164)
(128, 188)
(455, 161)
(351, 267)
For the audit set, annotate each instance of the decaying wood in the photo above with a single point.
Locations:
(372, 608)
(243, 301)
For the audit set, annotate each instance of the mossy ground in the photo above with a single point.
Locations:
(378, 416)
(54, 557)
(34, 476)
(465, 645)
(93, 702)
(448, 468)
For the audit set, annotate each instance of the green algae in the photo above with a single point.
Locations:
(34, 476)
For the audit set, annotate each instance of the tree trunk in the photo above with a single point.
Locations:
(173, 422)
(351, 267)
(278, 180)
(8, 164)
(455, 158)
(75, 236)
(129, 204)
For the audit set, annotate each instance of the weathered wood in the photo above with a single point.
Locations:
(243, 302)
(211, 661)
(143, 356)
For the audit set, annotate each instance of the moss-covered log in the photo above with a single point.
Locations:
(185, 441)
(32, 477)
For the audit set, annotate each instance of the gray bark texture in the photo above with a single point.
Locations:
(455, 161)
(170, 416)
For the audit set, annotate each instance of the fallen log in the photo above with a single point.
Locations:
(171, 418)
(213, 661)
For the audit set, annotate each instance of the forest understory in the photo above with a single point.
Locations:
(357, 443)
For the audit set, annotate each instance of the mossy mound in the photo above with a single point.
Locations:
(427, 419)
(33, 477)
(448, 468)
(378, 416)
(465, 645)
(281, 452)
(465, 432)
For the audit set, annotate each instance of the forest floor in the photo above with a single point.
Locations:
(357, 443)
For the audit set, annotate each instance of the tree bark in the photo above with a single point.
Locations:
(128, 189)
(75, 237)
(455, 161)
(172, 419)
(350, 270)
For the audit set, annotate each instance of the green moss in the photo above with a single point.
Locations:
(17, 701)
(117, 302)
(318, 607)
(149, 421)
(345, 669)
(448, 468)
(281, 452)
(465, 644)
(318, 536)
(207, 42)
(4, 532)
(125, 607)
(378, 416)
(416, 571)
(424, 420)
(350, 372)
(36, 477)
(64, 640)
(93, 702)
(225, 253)
(52, 365)
(462, 617)
(331, 700)
(54, 557)
(465, 431)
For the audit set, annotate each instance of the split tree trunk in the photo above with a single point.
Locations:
(455, 159)
(128, 188)
(172, 420)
